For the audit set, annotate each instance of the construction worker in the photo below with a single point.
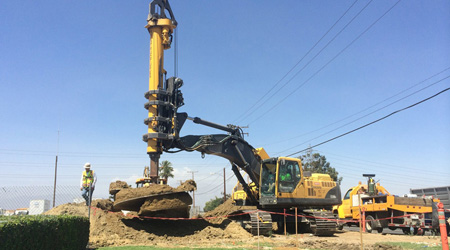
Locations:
(285, 176)
(87, 183)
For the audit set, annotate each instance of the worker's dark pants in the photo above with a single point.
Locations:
(85, 193)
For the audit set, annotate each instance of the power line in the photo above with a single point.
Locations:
(376, 104)
(324, 66)
(370, 112)
(382, 118)
(216, 187)
(298, 62)
(381, 164)
(315, 56)
(359, 167)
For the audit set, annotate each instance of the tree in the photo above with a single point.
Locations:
(165, 170)
(317, 163)
(213, 203)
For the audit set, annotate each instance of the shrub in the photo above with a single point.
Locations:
(44, 232)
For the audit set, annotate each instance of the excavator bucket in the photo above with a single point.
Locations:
(156, 200)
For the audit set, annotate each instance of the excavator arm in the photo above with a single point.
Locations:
(230, 146)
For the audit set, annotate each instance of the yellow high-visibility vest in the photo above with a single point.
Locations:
(88, 178)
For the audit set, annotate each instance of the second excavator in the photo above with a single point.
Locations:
(277, 184)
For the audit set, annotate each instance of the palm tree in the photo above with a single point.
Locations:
(165, 170)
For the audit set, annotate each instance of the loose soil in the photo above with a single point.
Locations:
(116, 229)
(154, 200)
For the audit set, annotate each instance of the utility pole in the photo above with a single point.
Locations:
(193, 192)
(224, 187)
(247, 134)
(56, 170)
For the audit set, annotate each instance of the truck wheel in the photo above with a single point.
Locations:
(407, 230)
(369, 223)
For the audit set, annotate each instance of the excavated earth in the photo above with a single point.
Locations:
(154, 200)
(116, 229)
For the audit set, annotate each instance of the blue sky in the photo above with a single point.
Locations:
(81, 67)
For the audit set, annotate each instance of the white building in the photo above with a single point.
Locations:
(39, 206)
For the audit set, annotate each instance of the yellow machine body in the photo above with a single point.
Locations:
(276, 190)
(383, 210)
(160, 31)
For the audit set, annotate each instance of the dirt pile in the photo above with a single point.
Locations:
(79, 209)
(69, 209)
(151, 189)
(225, 209)
(115, 229)
(175, 205)
(187, 186)
(116, 186)
(154, 200)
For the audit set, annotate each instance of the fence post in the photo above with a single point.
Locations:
(360, 222)
(364, 219)
(257, 216)
(442, 226)
(296, 225)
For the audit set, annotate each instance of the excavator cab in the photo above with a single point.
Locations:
(278, 175)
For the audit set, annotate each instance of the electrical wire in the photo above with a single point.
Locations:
(216, 187)
(368, 124)
(314, 57)
(324, 66)
(368, 113)
(376, 164)
(376, 104)
(298, 62)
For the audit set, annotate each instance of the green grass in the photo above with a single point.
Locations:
(408, 245)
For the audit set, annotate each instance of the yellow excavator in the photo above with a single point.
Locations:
(277, 184)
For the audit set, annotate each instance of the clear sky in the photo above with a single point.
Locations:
(81, 68)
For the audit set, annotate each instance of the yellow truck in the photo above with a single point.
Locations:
(414, 215)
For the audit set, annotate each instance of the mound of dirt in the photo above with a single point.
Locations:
(225, 209)
(116, 229)
(168, 206)
(153, 189)
(75, 209)
(79, 209)
(187, 186)
(115, 187)
(155, 200)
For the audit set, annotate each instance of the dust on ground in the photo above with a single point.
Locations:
(116, 229)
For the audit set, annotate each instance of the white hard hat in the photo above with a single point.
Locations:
(87, 165)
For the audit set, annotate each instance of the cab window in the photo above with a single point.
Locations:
(268, 179)
(347, 195)
(288, 176)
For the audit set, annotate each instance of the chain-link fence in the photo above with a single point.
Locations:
(13, 198)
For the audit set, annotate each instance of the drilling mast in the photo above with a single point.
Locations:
(160, 24)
